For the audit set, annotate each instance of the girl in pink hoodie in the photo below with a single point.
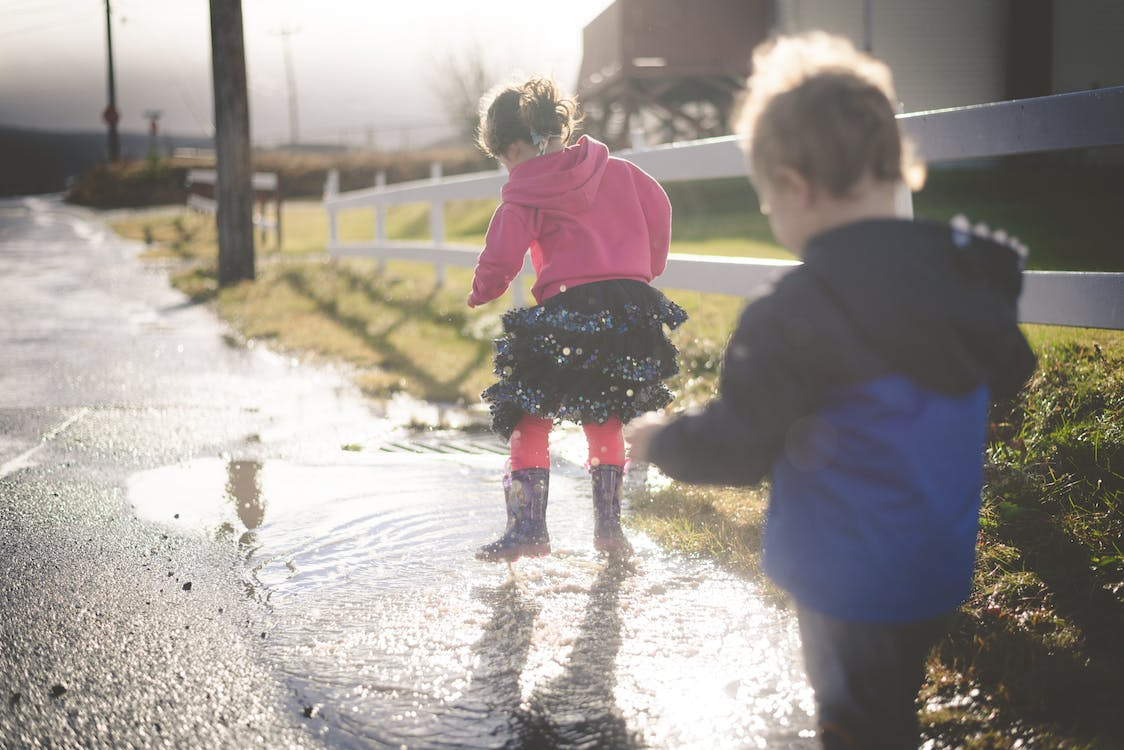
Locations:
(593, 350)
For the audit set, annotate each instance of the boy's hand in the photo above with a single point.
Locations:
(639, 433)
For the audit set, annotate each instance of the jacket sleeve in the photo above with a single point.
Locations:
(770, 379)
(505, 245)
(657, 213)
(1013, 361)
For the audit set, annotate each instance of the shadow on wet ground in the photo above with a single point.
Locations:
(578, 708)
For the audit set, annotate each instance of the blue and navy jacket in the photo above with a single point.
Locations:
(860, 384)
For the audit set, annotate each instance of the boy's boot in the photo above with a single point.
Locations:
(607, 534)
(525, 493)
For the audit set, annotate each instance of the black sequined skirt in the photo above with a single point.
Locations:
(592, 352)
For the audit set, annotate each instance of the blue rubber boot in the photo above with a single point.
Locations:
(526, 536)
(607, 534)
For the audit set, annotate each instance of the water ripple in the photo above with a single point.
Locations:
(392, 635)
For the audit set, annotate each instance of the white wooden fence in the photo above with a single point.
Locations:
(1081, 120)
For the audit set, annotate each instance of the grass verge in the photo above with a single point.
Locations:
(395, 328)
(1036, 653)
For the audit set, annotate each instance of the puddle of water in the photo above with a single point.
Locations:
(392, 635)
(313, 526)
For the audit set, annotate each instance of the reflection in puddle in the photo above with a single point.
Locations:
(193, 496)
(391, 634)
(243, 488)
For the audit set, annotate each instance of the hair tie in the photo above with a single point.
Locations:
(542, 140)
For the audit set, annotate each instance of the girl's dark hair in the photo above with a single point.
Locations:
(510, 113)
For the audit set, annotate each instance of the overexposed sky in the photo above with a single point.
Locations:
(363, 68)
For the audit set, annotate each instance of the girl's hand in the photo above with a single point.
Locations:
(639, 433)
(469, 300)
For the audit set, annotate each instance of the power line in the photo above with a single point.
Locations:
(43, 27)
(37, 9)
(285, 32)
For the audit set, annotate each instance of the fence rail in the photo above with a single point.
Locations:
(267, 192)
(1085, 119)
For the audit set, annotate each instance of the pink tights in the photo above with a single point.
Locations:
(530, 443)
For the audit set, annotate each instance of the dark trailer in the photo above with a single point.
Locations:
(670, 68)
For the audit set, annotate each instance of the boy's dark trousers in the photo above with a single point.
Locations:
(866, 677)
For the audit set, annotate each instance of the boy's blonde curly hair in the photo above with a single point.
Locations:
(817, 105)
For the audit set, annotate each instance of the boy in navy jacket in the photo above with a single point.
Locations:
(860, 384)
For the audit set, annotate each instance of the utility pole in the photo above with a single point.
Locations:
(111, 115)
(286, 49)
(233, 190)
(868, 26)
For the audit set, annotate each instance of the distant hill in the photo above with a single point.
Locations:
(43, 161)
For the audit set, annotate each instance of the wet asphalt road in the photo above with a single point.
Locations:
(114, 632)
(206, 545)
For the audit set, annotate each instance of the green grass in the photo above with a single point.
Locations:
(395, 328)
(1064, 208)
(1042, 628)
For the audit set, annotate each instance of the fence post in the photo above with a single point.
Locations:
(331, 190)
(380, 217)
(903, 201)
(259, 216)
(277, 203)
(437, 221)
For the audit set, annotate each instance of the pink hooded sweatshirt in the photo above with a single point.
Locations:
(584, 215)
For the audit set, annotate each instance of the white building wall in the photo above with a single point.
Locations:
(943, 53)
(1088, 44)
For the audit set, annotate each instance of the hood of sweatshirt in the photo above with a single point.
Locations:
(938, 303)
(566, 181)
